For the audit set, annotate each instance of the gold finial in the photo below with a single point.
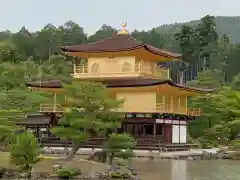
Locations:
(123, 30)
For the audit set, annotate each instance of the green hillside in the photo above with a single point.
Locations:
(227, 25)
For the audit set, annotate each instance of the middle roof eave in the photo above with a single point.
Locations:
(122, 84)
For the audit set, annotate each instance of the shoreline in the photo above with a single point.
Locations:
(191, 154)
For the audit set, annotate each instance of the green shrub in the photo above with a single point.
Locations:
(235, 144)
(68, 173)
(206, 145)
(117, 175)
(24, 150)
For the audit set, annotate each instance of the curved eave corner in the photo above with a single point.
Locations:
(164, 53)
(194, 89)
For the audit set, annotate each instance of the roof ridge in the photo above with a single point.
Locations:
(101, 40)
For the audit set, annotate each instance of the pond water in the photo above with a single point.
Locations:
(161, 169)
(187, 170)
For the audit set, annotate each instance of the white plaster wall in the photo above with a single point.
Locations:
(175, 133)
(179, 134)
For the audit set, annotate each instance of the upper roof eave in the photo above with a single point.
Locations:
(118, 43)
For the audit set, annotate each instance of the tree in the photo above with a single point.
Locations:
(89, 110)
(152, 37)
(24, 42)
(210, 79)
(6, 128)
(228, 107)
(24, 150)
(235, 85)
(71, 33)
(11, 76)
(57, 67)
(8, 52)
(208, 38)
(185, 39)
(222, 110)
(22, 100)
(119, 146)
(104, 32)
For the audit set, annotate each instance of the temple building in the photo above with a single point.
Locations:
(156, 109)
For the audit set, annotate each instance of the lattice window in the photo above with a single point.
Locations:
(175, 104)
(137, 66)
(126, 67)
(160, 106)
(168, 104)
(183, 103)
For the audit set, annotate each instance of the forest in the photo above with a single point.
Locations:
(210, 60)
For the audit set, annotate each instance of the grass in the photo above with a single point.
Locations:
(4, 156)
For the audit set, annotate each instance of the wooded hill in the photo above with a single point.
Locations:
(229, 25)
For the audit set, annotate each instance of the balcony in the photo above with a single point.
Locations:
(161, 108)
(47, 108)
(139, 70)
(157, 72)
(194, 112)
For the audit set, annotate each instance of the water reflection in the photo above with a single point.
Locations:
(187, 170)
(178, 170)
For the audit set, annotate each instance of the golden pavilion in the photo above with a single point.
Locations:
(156, 109)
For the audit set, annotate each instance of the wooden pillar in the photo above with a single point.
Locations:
(48, 130)
(154, 130)
(179, 133)
(179, 105)
(74, 68)
(186, 132)
(168, 133)
(172, 105)
(54, 102)
(164, 132)
(186, 105)
(38, 131)
(168, 73)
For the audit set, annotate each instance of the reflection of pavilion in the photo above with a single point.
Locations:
(179, 170)
(156, 109)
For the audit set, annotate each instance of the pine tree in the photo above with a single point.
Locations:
(119, 146)
(89, 110)
(24, 150)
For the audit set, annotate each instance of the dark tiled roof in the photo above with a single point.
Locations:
(122, 83)
(119, 42)
(35, 119)
(46, 84)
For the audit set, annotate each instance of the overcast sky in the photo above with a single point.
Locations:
(91, 14)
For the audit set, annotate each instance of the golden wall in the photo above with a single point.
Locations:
(125, 66)
(113, 65)
(144, 102)
(152, 102)
(137, 101)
